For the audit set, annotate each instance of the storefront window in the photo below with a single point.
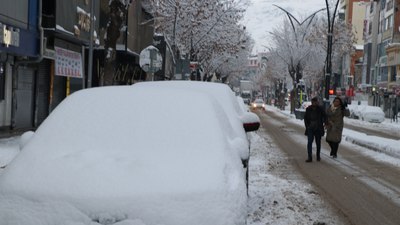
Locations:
(2, 81)
(393, 73)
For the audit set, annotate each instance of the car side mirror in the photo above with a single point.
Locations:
(251, 122)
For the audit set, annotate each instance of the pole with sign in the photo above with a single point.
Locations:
(150, 61)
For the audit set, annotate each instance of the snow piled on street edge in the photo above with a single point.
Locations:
(278, 195)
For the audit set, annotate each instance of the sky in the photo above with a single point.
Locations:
(262, 17)
(272, 199)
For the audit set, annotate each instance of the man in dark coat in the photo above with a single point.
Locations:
(314, 120)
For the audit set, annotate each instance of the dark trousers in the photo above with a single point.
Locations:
(334, 148)
(311, 135)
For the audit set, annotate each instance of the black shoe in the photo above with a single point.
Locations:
(334, 156)
(318, 158)
(309, 160)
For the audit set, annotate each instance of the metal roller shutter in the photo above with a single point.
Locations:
(42, 91)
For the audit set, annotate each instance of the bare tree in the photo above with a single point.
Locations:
(206, 31)
(293, 50)
(303, 51)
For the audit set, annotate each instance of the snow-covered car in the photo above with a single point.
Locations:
(305, 104)
(355, 110)
(228, 101)
(258, 104)
(226, 98)
(373, 114)
(243, 107)
(109, 155)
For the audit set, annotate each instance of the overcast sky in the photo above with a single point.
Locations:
(262, 16)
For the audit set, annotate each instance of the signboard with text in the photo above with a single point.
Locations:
(68, 63)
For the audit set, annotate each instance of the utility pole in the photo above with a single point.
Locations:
(328, 65)
(91, 31)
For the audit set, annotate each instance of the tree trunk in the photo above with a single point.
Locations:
(117, 16)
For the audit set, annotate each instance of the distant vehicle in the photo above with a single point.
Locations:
(258, 104)
(305, 104)
(246, 96)
(246, 89)
(354, 112)
(373, 114)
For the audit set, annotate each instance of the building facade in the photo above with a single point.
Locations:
(382, 51)
(44, 48)
(352, 65)
(20, 43)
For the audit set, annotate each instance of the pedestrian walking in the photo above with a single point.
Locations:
(334, 126)
(314, 120)
(395, 111)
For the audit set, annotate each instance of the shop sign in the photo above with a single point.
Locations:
(9, 35)
(68, 63)
(49, 54)
(393, 58)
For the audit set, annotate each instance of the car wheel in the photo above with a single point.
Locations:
(245, 163)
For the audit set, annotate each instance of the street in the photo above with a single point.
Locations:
(360, 189)
(353, 189)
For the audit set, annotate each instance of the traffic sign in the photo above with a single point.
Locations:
(150, 59)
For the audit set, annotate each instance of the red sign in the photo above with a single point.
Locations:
(193, 66)
(397, 91)
(350, 91)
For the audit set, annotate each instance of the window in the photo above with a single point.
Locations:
(384, 73)
(382, 27)
(370, 28)
(393, 73)
(383, 3)
(371, 9)
(389, 5)
(387, 23)
(382, 48)
(2, 81)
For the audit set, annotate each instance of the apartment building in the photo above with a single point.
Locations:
(352, 65)
(382, 53)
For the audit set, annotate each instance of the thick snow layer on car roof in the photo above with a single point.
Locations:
(226, 100)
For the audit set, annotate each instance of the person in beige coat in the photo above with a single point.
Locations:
(334, 126)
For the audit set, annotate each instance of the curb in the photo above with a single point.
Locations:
(386, 149)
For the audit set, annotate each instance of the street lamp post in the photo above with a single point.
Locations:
(91, 31)
(328, 65)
